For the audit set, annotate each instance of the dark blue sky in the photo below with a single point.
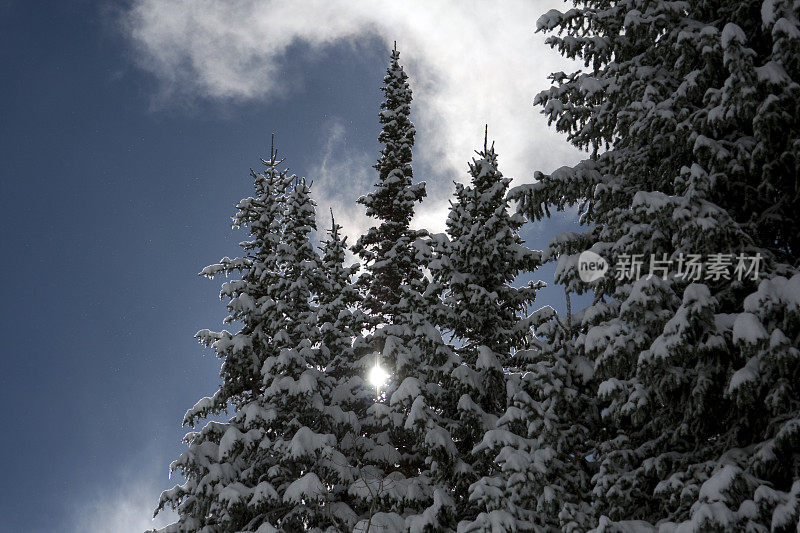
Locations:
(112, 198)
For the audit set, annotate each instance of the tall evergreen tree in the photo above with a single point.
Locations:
(476, 264)
(400, 300)
(276, 463)
(543, 442)
(245, 352)
(691, 112)
(481, 259)
(387, 250)
(340, 322)
(348, 397)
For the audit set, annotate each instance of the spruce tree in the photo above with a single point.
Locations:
(690, 111)
(476, 265)
(387, 250)
(340, 323)
(543, 442)
(276, 463)
(395, 483)
(481, 259)
(244, 352)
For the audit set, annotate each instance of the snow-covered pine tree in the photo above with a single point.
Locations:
(340, 322)
(421, 400)
(543, 442)
(401, 303)
(691, 111)
(244, 352)
(476, 264)
(546, 437)
(479, 262)
(275, 464)
(387, 250)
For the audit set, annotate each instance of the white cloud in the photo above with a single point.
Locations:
(339, 179)
(470, 62)
(129, 506)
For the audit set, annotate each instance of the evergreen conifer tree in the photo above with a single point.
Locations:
(690, 110)
(245, 352)
(340, 323)
(476, 264)
(276, 463)
(401, 304)
(387, 249)
(543, 442)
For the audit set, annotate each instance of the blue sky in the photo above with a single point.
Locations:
(126, 134)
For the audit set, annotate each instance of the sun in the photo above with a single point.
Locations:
(377, 376)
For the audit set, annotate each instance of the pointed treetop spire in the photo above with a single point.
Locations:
(386, 249)
(273, 160)
(334, 231)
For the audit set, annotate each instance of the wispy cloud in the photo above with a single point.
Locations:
(471, 63)
(128, 506)
(339, 179)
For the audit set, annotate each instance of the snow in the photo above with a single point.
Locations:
(467, 376)
(609, 387)
(787, 28)
(428, 519)
(732, 33)
(496, 438)
(651, 200)
(767, 12)
(254, 414)
(487, 359)
(308, 487)
(549, 20)
(713, 489)
(778, 339)
(417, 413)
(438, 437)
(748, 374)
(381, 523)
(383, 453)
(605, 525)
(748, 329)
(495, 521)
(773, 73)
(785, 513)
(204, 405)
(234, 494)
(264, 492)
(408, 390)
(306, 442)
(229, 440)
(591, 85)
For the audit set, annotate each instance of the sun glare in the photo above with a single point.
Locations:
(377, 376)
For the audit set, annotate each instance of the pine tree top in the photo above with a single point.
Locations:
(483, 256)
(395, 194)
(386, 249)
